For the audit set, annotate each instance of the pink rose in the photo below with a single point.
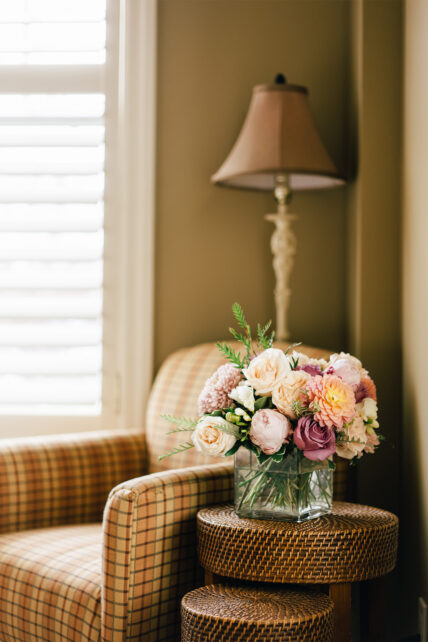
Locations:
(317, 442)
(269, 430)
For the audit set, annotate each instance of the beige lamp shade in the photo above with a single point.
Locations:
(278, 137)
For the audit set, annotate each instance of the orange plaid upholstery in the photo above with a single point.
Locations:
(52, 586)
(149, 553)
(175, 392)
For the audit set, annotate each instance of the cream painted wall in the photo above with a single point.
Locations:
(415, 305)
(212, 244)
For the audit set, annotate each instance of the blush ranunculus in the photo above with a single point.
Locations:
(317, 442)
(269, 430)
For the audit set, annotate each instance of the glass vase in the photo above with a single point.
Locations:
(295, 489)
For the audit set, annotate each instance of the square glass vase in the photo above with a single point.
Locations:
(295, 489)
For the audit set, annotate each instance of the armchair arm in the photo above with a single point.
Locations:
(64, 479)
(149, 551)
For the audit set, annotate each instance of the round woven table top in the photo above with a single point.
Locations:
(350, 544)
(223, 612)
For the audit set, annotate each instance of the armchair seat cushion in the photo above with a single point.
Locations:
(50, 584)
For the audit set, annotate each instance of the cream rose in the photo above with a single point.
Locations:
(356, 439)
(289, 391)
(267, 370)
(214, 436)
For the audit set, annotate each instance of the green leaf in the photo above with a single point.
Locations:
(331, 464)
(261, 403)
(233, 450)
(181, 448)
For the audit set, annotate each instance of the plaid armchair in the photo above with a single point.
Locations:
(85, 555)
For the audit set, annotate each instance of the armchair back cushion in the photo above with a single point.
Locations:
(176, 390)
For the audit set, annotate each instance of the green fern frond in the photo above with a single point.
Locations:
(184, 422)
(263, 340)
(291, 347)
(239, 315)
(181, 448)
(231, 355)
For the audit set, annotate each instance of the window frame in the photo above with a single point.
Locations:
(129, 81)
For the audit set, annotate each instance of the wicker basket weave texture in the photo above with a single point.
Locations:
(223, 613)
(351, 544)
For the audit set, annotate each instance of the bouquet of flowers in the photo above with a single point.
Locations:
(281, 406)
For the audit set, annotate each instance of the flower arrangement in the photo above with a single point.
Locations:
(281, 406)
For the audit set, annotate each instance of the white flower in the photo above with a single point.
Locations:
(355, 439)
(267, 370)
(243, 394)
(367, 410)
(214, 436)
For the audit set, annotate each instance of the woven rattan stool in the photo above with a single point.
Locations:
(351, 544)
(223, 613)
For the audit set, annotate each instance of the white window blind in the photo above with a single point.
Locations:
(52, 264)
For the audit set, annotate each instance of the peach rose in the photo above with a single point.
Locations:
(289, 390)
(214, 436)
(267, 370)
(269, 430)
(355, 439)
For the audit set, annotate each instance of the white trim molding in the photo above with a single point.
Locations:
(134, 206)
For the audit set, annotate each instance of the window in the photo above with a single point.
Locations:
(63, 252)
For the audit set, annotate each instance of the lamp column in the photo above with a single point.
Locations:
(284, 248)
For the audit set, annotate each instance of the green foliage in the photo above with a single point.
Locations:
(239, 315)
(331, 464)
(231, 355)
(179, 449)
(184, 423)
(261, 402)
(263, 340)
(279, 455)
(233, 450)
(291, 347)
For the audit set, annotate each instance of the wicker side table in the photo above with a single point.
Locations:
(222, 613)
(351, 544)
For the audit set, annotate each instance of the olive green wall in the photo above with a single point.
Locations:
(212, 244)
(374, 254)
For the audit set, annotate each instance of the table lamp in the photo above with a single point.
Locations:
(279, 149)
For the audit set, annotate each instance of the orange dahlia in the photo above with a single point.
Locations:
(332, 399)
